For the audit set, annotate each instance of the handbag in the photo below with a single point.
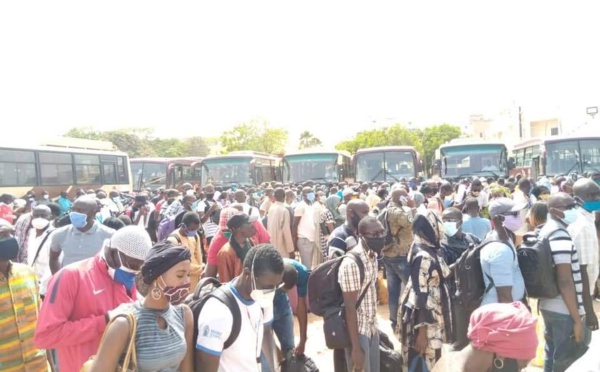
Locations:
(334, 324)
(130, 360)
(415, 363)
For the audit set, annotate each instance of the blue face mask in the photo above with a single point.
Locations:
(190, 233)
(310, 196)
(123, 275)
(78, 220)
(592, 206)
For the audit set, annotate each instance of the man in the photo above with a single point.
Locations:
(81, 297)
(65, 203)
(231, 256)
(209, 213)
(262, 273)
(481, 195)
(174, 208)
(454, 244)
(115, 205)
(489, 167)
(187, 236)
(566, 335)
(141, 211)
(362, 322)
(241, 198)
(80, 240)
(26, 232)
(306, 230)
(499, 261)
(290, 198)
(399, 217)
(340, 238)
(266, 204)
(523, 196)
(188, 189)
(6, 208)
(19, 299)
(473, 223)
(279, 225)
(585, 239)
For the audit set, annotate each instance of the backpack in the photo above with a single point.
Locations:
(324, 291)
(383, 219)
(537, 266)
(470, 287)
(166, 227)
(299, 363)
(389, 360)
(212, 288)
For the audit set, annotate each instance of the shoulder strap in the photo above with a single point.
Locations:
(227, 297)
(39, 249)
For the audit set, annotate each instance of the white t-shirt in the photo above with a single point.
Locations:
(306, 227)
(214, 326)
(41, 268)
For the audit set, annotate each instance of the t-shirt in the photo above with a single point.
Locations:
(583, 233)
(281, 298)
(337, 244)
(563, 252)
(477, 226)
(499, 261)
(214, 327)
(306, 227)
(77, 245)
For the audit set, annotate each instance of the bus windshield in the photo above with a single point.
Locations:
(465, 161)
(387, 166)
(590, 155)
(316, 167)
(570, 156)
(223, 171)
(153, 175)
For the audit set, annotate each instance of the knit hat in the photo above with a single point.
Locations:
(505, 329)
(132, 241)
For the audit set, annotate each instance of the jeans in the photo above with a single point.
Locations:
(307, 249)
(397, 271)
(283, 326)
(561, 351)
(370, 346)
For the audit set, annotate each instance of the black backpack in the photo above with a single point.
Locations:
(324, 291)
(470, 287)
(212, 288)
(537, 265)
(299, 363)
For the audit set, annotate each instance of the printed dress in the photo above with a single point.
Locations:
(425, 302)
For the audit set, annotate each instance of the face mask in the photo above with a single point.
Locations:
(375, 244)
(40, 223)
(450, 228)
(592, 205)
(263, 297)
(323, 199)
(9, 249)
(123, 275)
(355, 220)
(227, 234)
(175, 295)
(190, 234)
(570, 216)
(78, 220)
(512, 223)
(546, 196)
(117, 199)
(310, 196)
(46, 197)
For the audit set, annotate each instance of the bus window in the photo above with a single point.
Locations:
(87, 169)
(17, 168)
(188, 176)
(56, 168)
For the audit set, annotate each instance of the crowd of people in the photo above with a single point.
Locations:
(73, 273)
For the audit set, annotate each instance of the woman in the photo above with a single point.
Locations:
(332, 204)
(537, 215)
(502, 338)
(425, 306)
(540, 193)
(164, 326)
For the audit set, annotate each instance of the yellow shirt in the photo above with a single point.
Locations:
(193, 243)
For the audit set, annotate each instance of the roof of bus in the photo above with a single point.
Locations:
(385, 148)
(551, 139)
(63, 149)
(316, 151)
(183, 160)
(243, 154)
(471, 143)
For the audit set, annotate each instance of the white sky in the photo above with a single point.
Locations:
(333, 68)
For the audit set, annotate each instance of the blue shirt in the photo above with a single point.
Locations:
(281, 301)
(65, 205)
(477, 226)
(499, 261)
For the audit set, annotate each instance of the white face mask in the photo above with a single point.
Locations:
(40, 223)
(450, 228)
(263, 297)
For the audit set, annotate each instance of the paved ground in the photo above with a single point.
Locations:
(323, 357)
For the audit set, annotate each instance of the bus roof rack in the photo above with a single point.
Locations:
(78, 143)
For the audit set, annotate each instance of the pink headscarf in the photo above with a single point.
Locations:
(226, 214)
(505, 329)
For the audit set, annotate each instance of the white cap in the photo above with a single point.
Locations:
(132, 241)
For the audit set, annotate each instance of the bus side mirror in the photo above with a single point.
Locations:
(511, 163)
(437, 165)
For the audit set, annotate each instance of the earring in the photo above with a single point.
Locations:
(156, 293)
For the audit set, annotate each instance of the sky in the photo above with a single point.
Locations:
(334, 68)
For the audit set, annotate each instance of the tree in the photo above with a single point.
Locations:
(256, 135)
(308, 140)
(196, 146)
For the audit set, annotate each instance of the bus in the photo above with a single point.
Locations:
(64, 164)
(166, 173)
(556, 155)
(386, 164)
(243, 168)
(318, 165)
(462, 158)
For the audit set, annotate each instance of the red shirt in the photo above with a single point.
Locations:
(219, 240)
(72, 317)
(7, 212)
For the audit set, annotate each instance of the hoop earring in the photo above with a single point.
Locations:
(498, 362)
(156, 293)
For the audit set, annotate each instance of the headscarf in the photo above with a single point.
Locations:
(427, 229)
(505, 329)
(162, 257)
(332, 203)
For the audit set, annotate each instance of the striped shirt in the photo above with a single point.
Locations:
(563, 252)
(19, 302)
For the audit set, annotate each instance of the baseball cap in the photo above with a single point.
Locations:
(504, 205)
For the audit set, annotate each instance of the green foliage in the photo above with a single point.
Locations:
(139, 143)
(308, 140)
(425, 141)
(255, 135)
